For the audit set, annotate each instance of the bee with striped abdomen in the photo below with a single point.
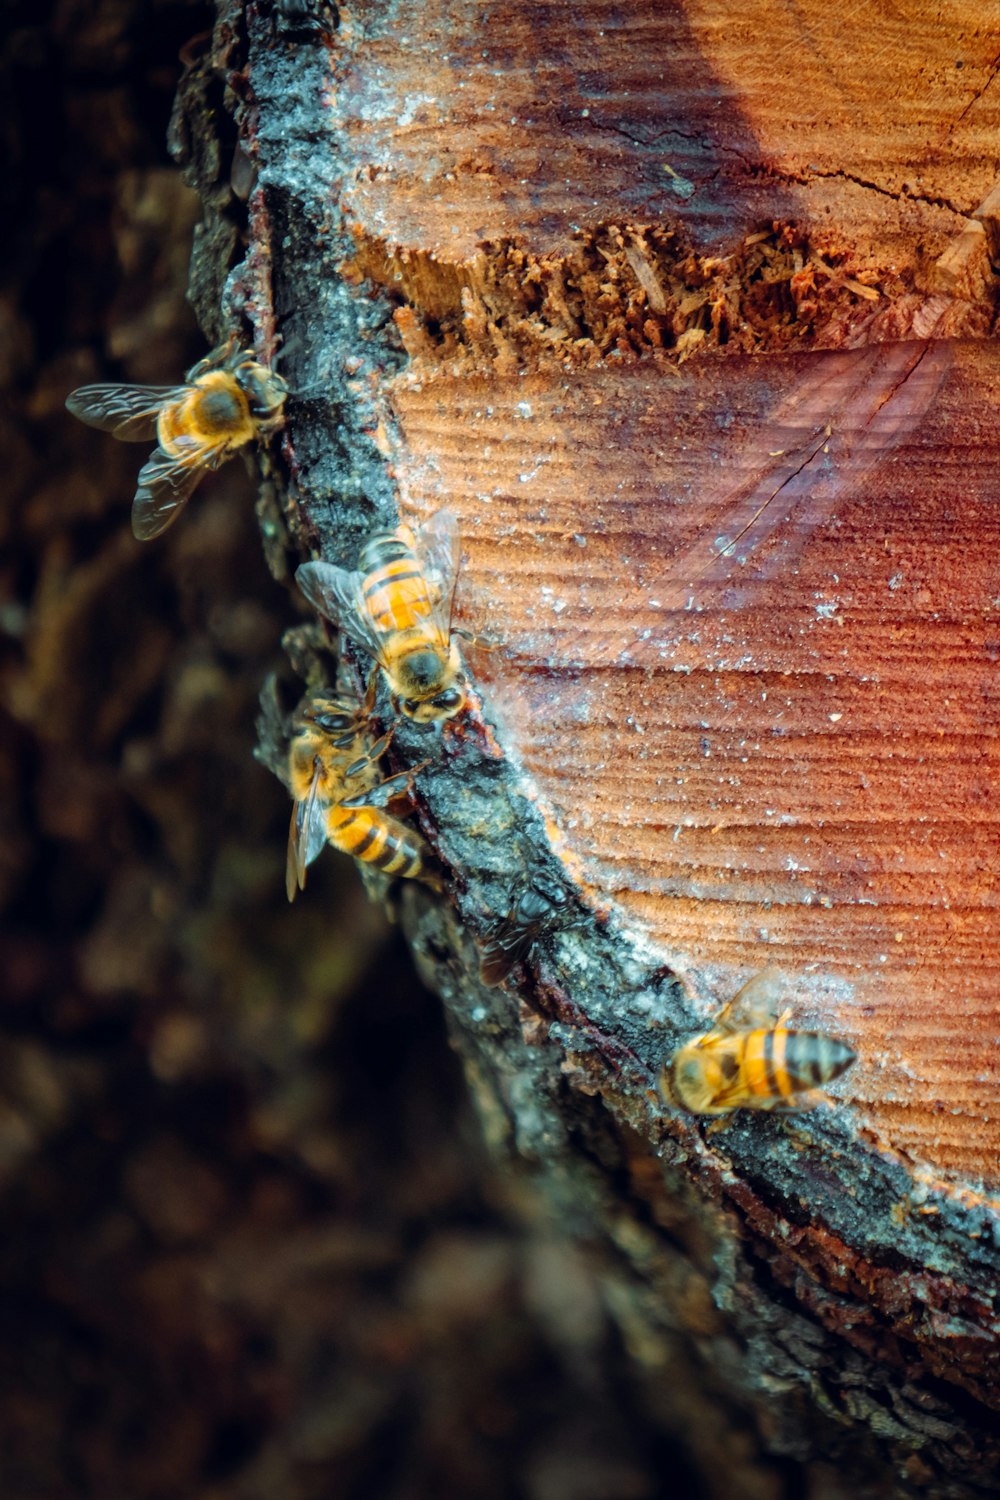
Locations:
(340, 798)
(228, 399)
(750, 1060)
(398, 606)
(538, 906)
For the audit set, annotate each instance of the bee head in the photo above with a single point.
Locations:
(429, 688)
(444, 705)
(688, 1072)
(264, 389)
(699, 1075)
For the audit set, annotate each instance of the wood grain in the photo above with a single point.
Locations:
(465, 123)
(624, 286)
(787, 761)
(787, 754)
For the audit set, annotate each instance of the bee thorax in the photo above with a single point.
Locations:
(422, 672)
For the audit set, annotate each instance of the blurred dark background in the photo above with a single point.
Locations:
(252, 1246)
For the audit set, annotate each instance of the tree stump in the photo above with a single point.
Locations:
(689, 318)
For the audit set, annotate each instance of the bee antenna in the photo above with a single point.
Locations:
(309, 392)
(293, 343)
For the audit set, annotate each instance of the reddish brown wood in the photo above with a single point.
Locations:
(665, 279)
(799, 768)
(537, 118)
(792, 760)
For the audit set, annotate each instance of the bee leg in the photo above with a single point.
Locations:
(431, 873)
(482, 642)
(213, 360)
(225, 351)
(727, 1020)
(371, 756)
(371, 689)
(392, 789)
(719, 1123)
(810, 1099)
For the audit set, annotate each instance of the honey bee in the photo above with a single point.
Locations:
(398, 607)
(227, 400)
(538, 906)
(749, 1060)
(340, 799)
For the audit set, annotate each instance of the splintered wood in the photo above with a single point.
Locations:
(749, 606)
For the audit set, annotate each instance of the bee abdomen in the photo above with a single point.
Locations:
(810, 1059)
(382, 549)
(377, 838)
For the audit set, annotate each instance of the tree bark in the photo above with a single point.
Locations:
(690, 319)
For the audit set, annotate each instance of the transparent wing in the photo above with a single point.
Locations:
(336, 594)
(388, 791)
(295, 874)
(757, 1003)
(312, 839)
(271, 749)
(129, 412)
(306, 838)
(438, 549)
(165, 486)
(505, 945)
(828, 435)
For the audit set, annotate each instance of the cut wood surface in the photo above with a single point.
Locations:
(787, 755)
(690, 320)
(538, 119)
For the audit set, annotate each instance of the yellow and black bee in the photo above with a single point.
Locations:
(398, 607)
(537, 906)
(341, 800)
(228, 399)
(749, 1060)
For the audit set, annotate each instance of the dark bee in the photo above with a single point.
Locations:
(228, 399)
(539, 906)
(306, 18)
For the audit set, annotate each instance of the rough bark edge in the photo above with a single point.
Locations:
(914, 1298)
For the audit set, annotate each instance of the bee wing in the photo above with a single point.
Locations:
(129, 412)
(387, 791)
(336, 594)
(507, 942)
(756, 1004)
(306, 838)
(295, 871)
(438, 549)
(737, 1096)
(165, 485)
(834, 428)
